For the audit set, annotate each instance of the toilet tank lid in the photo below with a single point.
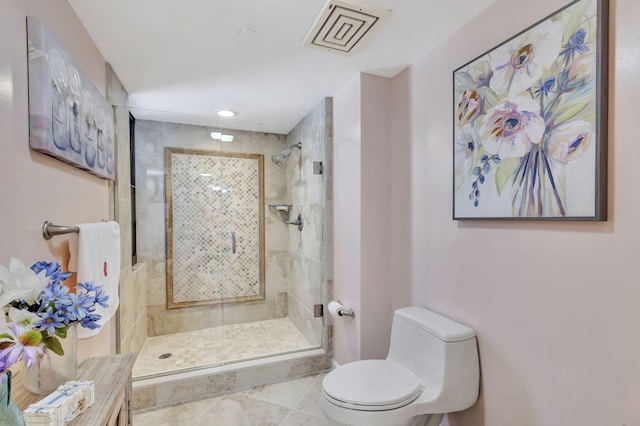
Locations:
(443, 328)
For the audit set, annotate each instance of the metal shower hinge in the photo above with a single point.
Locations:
(317, 167)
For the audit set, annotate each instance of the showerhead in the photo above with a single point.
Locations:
(280, 159)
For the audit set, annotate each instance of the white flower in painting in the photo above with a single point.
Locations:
(20, 283)
(58, 69)
(511, 127)
(481, 73)
(468, 106)
(569, 141)
(467, 145)
(520, 63)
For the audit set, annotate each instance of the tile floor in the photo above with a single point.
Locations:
(292, 403)
(218, 345)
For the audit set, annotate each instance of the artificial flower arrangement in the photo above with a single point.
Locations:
(40, 310)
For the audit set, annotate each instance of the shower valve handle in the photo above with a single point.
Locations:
(298, 222)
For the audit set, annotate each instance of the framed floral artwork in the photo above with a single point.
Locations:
(530, 122)
(69, 119)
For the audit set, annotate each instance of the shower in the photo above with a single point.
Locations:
(280, 159)
(246, 325)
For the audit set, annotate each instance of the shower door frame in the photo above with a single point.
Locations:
(169, 228)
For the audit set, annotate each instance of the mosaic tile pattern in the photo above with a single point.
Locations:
(211, 196)
(218, 345)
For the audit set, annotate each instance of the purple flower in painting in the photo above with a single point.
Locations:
(512, 127)
(575, 45)
(546, 86)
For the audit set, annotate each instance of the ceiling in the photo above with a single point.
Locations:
(182, 60)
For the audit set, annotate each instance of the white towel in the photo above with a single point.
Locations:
(95, 256)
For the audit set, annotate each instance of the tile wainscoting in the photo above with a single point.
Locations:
(154, 393)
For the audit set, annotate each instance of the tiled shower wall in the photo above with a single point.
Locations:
(211, 196)
(151, 139)
(310, 254)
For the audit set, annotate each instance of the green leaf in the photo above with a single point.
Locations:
(6, 336)
(62, 332)
(491, 99)
(504, 172)
(568, 111)
(465, 79)
(54, 345)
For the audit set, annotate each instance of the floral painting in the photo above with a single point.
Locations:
(530, 122)
(69, 119)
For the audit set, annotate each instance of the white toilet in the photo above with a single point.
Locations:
(431, 369)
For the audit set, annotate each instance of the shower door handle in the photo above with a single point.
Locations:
(233, 242)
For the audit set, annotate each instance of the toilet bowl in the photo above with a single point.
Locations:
(431, 369)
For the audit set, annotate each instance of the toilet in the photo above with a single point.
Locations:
(431, 369)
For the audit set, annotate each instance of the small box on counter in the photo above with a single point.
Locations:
(61, 406)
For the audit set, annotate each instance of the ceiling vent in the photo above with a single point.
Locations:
(341, 25)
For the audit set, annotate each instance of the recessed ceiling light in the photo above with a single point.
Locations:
(221, 137)
(226, 113)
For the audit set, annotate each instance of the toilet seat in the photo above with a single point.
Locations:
(371, 385)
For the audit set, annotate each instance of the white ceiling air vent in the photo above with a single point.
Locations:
(342, 24)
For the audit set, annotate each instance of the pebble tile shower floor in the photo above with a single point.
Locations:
(217, 345)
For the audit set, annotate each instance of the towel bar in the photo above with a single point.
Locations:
(49, 230)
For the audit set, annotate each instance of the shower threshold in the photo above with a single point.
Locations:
(218, 346)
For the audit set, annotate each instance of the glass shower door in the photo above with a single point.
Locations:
(196, 242)
(244, 260)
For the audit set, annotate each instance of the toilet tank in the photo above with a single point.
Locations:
(441, 352)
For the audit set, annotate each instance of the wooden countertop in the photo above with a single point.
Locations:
(111, 374)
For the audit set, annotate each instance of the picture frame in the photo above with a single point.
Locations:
(530, 122)
(69, 119)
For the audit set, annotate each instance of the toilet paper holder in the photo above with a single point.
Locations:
(344, 312)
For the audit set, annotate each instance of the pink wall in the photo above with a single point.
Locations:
(363, 222)
(400, 223)
(347, 221)
(377, 283)
(34, 187)
(556, 305)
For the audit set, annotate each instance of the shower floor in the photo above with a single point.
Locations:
(218, 345)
